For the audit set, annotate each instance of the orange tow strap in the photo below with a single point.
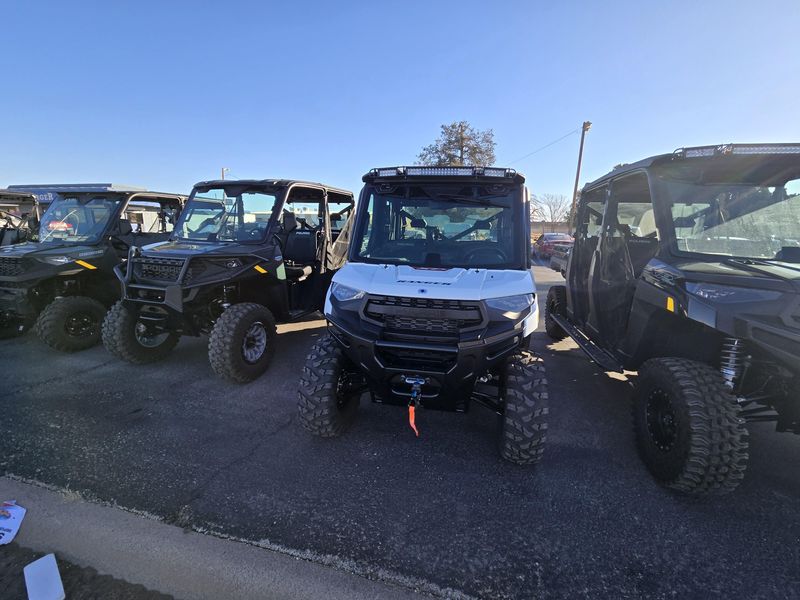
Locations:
(411, 418)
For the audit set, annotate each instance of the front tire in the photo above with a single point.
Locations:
(125, 337)
(325, 408)
(523, 426)
(687, 426)
(242, 342)
(556, 305)
(71, 323)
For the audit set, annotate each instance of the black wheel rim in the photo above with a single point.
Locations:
(348, 384)
(661, 420)
(254, 344)
(149, 339)
(80, 325)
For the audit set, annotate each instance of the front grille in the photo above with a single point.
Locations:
(418, 324)
(10, 266)
(160, 269)
(423, 315)
(417, 360)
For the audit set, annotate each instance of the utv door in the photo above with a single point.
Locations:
(340, 224)
(629, 240)
(587, 236)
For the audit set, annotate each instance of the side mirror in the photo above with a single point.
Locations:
(419, 223)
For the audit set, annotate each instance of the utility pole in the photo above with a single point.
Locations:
(587, 125)
(224, 170)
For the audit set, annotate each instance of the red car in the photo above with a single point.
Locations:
(543, 247)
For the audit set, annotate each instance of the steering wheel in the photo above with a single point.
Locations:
(472, 255)
(256, 232)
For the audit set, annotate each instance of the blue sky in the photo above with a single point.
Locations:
(164, 94)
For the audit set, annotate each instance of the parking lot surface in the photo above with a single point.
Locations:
(439, 512)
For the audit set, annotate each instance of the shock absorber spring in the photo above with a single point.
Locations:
(227, 296)
(732, 361)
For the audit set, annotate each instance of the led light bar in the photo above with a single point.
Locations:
(695, 152)
(766, 150)
(440, 171)
(739, 149)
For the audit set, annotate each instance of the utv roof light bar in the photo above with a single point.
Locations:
(440, 172)
(737, 149)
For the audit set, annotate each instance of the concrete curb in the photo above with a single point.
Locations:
(172, 560)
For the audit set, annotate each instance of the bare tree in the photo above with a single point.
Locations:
(459, 145)
(552, 208)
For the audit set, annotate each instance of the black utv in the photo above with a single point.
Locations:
(20, 212)
(686, 267)
(63, 283)
(245, 254)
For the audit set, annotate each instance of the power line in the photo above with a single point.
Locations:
(563, 137)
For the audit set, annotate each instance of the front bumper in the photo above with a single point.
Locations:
(450, 368)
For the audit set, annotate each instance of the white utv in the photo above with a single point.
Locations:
(435, 307)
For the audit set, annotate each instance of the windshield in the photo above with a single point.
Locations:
(227, 215)
(77, 220)
(441, 226)
(739, 220)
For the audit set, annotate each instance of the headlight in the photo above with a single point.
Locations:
(55, 260)
(343, 293)
(726, 294)
(511, 304)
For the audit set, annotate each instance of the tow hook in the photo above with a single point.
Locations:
(416, 384)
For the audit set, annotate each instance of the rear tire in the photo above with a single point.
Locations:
(71, 323)
(242, 342)
(687, 426)
(324, 409)
(120, 337)
(523, 426)
(556, 305)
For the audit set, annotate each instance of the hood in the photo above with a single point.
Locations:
(753, 273)
(445, 284)
(184, 248)
(49, 248)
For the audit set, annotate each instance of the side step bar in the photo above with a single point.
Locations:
(604, 359)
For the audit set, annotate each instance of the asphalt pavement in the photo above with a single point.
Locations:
(441, 513)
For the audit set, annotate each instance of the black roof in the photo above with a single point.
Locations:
(453, 173)
(273, 183)
(47, 192)
(76, 187)
(8, 194)
(721, 151)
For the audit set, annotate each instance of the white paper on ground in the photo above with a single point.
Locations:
(43, 579)
(10, 519)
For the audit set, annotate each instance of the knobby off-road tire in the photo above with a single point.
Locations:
(121, 339)
(242, 342)
(324, 410)
(523, 425)
(687, 426)
(71, 323)
(556, 304)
